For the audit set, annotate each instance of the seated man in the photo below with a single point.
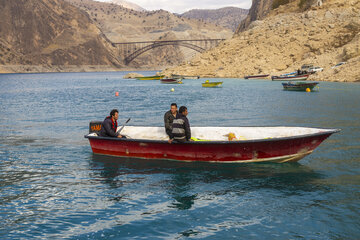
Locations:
(169, 118)
(109, 125)
(181, 127)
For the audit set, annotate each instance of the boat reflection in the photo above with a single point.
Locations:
(182, 180)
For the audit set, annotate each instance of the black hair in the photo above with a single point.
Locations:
(182, 109)
(112, 113)
(174, 104)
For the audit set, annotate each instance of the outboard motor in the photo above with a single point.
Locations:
(95, 127)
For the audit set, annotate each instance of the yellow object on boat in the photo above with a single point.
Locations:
(231, 137)
(198, 139)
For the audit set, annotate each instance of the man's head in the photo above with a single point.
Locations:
(114, 114)
(183, 110)
(173, 108)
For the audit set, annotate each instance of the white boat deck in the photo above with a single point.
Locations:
(221, 133)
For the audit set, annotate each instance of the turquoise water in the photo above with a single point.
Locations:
(52, 186)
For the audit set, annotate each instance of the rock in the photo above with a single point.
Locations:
(310, 14)
(351, 52)
(255, 24)
(328, 15)
(317, 3)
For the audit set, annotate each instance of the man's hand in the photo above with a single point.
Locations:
(119, 136)
(170, 141)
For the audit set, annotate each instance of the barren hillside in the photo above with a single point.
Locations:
(50, 33)
(288, 37)
(228, 17)
(121, 24)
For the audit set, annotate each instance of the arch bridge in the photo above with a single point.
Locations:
(131, 50)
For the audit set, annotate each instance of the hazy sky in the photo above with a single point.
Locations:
(180, 6)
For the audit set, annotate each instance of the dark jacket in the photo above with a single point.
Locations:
(168, 121)
(108, 128)
(181, 128)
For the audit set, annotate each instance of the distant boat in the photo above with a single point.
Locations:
(299, 86)
(291, 78)
(171, 81)
(211, 84)
(156, 77)
(287, 74)
(257, 76)
(184, 76)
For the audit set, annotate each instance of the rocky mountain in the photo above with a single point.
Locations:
(121, 24)
(128, 5)
(259, 9)
(229, 17)
(50, 33)
(289, 36)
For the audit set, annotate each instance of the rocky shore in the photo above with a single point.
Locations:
(286, 39)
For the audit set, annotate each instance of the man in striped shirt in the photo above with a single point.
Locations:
(181, 127)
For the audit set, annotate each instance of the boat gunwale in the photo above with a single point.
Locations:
(208, 142)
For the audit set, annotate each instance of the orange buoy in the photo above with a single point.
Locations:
(116, 94)
(308, 90)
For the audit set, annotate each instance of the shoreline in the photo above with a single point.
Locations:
(38, 69)
(19, 69)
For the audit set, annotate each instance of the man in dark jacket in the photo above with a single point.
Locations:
(109, 125)
(181, 127)
(169, 118)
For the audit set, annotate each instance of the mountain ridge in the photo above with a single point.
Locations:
(127, 4)
(229, 17)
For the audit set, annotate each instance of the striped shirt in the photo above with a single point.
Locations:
(181, 128)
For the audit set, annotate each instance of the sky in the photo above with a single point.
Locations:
(181, 6)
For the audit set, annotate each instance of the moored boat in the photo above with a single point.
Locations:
(209, 84)
(156, 77)
(257, 144)
(184, 76)
(256, 76)
(290, 77)
(299, 86)
(171, 81)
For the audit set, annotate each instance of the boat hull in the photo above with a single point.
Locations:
(151, 77)
(171, 81)
(299, 86)
(212, 84)
(291, 78)
(290, 149)
(256, 76)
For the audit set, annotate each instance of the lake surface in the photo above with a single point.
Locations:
(52, 186)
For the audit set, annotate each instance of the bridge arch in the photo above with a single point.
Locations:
(157, 44)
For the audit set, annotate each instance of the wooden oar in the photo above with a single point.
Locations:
(123, 126)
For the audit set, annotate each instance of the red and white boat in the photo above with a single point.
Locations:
(171, 80)
(290, 77)
(253, 144)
